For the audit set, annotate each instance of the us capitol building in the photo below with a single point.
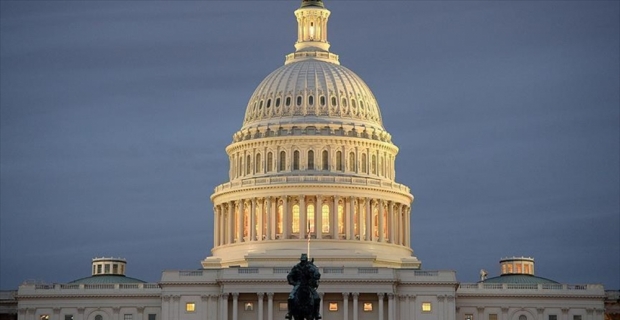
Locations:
(312, 163)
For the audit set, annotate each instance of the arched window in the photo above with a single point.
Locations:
(344, 102)
(311, 100)
(295, 226)
(522, 317)
(268, 103)
(373, 165)
(325, 218)
(282, 162)
(98, 317)
(239, 166)
(334, 101)
(310, 160)
(258, 164)
(352, 161)
(364, 163)
(296, 160)
(381, 166)
(277, 102)
(279, 217)
(325, 160)
(288, 101)
(299, 99)
(269, 162)
(310, 215)
(353, 104)
(340, 218)
(339, 160)
(246, 221)
(248, 167)
(322, 101)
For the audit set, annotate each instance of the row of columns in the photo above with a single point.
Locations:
(369, 161)
(363, 219)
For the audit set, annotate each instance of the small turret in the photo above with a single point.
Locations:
(517, 265)
(109, 266)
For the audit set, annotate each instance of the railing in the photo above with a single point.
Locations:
(422, 273)
(314, 179)
(129, 286)
(191, 273)
(530, 286)
(333, 270)
(367, 270)
(279, 270)
(69, 286)
(247, 270)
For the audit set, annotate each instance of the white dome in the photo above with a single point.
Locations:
(312, 91)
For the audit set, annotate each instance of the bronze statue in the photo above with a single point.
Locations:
(304, 301)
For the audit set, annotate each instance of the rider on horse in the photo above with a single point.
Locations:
(305, 273)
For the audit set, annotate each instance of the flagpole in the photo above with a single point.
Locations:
(308, 250)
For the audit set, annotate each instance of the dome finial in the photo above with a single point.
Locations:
(312, 3)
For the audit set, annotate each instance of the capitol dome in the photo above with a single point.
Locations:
(312, 169)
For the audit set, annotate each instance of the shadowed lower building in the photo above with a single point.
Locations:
(312, 161)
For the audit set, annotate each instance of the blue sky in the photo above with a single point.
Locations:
(114, 117)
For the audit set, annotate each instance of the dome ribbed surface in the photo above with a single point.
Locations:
(313, 91)
(107, 279)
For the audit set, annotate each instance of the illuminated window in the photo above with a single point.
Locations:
(283, 306)
(310, 160)
(311, 217)
(296, 160)
(340, 218)
(128, 317)
(248, 306)
(44, 317)
(426, 307)
(526, 269)
(333, 306)
(367, 306)
(493, 316)
(325, 160)
(469, 317)
(190, 307)
(279, 219)
(325, 218)
(246, 221)
(68, 317)
(295, 219)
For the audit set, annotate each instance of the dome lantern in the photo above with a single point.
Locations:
(312, 26)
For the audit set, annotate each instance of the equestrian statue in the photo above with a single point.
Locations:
(304, 301)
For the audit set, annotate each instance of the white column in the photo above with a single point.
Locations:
(175, 306)
(345, 305)
(303, 225)
(440, 307)
(252, 232)
(380, 303)
(224, 306)
(355, 305)
(318, 216)
(260, 305)
(391, 306)
(403, 306)
(269, 305)
(231, 218)
(368, 217)
(216, 226)
(408, 227)
(381, 221)
(391, 221)
(285, 218)
(334, 216)
(165, 308)
(205, 307)
(271, 218)
(235, 305)
(348, 208)
(261, 221)
(412, 308)
(372, 218)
